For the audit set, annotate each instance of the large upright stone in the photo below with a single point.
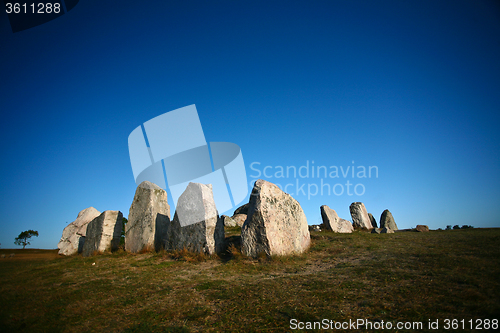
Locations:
(276, 224)
(331, 221)
(360, 218)
(196, 226)
(103, 233)
(387, 221)
(73, 236)
(372, 220)
(148, 219)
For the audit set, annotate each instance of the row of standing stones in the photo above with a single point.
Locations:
(272, 222)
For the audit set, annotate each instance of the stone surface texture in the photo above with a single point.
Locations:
(196, 225)
(103, 233)
(148, 219)
(331, 221)
(276, 223)
(387, 221)
(73, 236)
(360, 218)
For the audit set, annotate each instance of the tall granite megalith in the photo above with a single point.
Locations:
(196, 225)
(103, 233)
(275, 225)
(148, 219)
(387, 221)
(360, 218)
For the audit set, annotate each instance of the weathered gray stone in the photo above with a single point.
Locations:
(228, 221)
(376, 231)
(241, 210)
(103, 233)
(360, 218)
(239, 219)
(276, 224)
(331, 221)
(148, 219)
(372, 220)
(387, 221)
(422, 228)
(196, 225)
(73, 236)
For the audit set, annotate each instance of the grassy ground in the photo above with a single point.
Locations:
(402, 277)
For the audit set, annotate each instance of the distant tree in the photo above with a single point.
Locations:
(23, 237)
(465, 226)
(122, 237)
(448, 227)
(456, 227)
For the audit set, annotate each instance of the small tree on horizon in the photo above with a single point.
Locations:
(23, 237)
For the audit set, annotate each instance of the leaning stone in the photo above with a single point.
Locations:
(73, 236)
(148, 219)
(422, 228)
(196, 225)
(360, 218)
(331, 221)
(103, 233)
(387, 221)
(372, 220)
(276, 224)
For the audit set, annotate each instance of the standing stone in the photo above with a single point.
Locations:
(372, 220)
(276, 224)
(148, 219)
(103, 233)
(73, 236)
(360, 218)
(387, 221)
(331, 221)
(422, 228)
(196, 225)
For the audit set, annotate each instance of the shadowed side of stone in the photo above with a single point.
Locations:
(275, 225)
(103, 233)
(73, 236)
(196, 225)
(372, 220)
(148, 219)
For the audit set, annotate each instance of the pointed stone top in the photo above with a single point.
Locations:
(150, 186)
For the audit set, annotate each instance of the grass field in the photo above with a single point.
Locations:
(403, 277)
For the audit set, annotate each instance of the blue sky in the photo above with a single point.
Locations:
(411, 87)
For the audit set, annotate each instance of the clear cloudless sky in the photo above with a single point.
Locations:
(411, 87)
